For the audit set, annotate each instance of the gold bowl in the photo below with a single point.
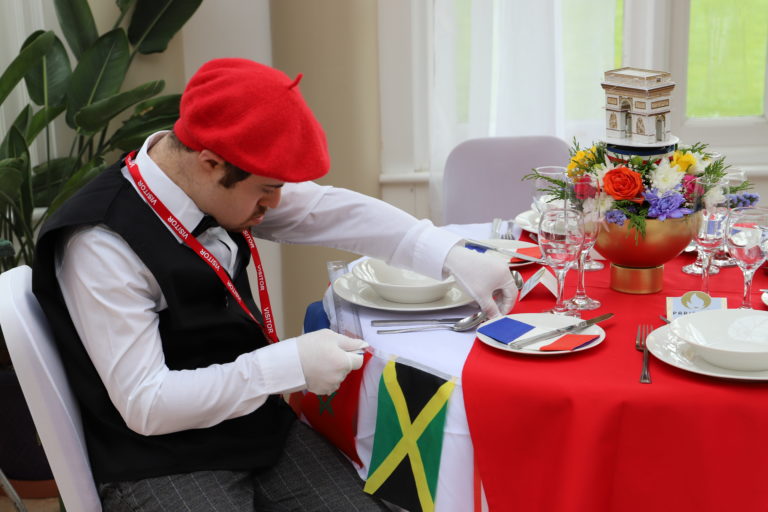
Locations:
(637, 261)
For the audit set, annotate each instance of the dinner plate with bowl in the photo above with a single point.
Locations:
(544, 322)
(375, 284)
(736, 339)
(528, 220)
(674, 351)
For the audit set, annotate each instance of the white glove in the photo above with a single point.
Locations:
(326, 359)
(484, 278)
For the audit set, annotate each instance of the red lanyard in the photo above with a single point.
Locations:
(165, 214)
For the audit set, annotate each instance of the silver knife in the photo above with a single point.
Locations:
(505, 252)
(415, 321)
(563, 330)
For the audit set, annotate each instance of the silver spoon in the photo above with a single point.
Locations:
(465, 324)
(517, 277)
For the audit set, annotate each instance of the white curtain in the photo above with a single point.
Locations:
(517, 67)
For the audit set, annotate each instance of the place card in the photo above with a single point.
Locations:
(693, 302)
(542, 276)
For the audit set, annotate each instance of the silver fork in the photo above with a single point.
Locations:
(643, 330)
(508, 234)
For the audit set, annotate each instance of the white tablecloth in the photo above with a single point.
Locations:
(442, 352)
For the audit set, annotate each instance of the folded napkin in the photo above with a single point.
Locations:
(533, 252)
(506, 330)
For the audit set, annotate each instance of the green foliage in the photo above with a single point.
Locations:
(88, 92)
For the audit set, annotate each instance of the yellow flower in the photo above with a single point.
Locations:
(683, 160)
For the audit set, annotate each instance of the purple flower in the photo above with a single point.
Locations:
(666, 206)
(616, 217)
(743, 200)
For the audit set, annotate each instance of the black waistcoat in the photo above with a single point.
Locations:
(202, 326)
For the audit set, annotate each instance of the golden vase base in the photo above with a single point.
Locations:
(637, 280)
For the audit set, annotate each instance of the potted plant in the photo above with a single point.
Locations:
(84, 97)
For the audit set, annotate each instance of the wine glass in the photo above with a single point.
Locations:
(561, 235)
(583, 193)
(548, 186)
(712, 204)
(747, 240)
(735, 177)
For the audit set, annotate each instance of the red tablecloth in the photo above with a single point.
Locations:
(578, 432)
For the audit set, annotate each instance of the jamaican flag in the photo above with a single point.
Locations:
(409, 437)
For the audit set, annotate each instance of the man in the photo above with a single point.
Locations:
(179, 387)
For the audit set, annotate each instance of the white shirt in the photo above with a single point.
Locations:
(114, 300)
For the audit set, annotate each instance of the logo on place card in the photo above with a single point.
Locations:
(693, 302)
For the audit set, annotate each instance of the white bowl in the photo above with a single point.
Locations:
(399, 285)
(729, 338)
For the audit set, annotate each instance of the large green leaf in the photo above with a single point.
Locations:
(99, 74)
(21, 123)
(24, 61)
(17, 148)
(155, 22)
(97, 115)
(41, 118)
(76, 21)
(131, 137)
(11, 179)
(124, 5)
(50, 75)
(159, 106)
(49, 177)
(83, 175)
(150, 116)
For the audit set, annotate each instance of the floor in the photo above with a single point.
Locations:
(42, 505)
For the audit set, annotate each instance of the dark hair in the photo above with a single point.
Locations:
(232, 175)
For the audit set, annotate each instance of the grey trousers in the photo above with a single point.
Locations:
(310, 475)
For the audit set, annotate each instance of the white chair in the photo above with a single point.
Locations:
(46, 390)
(482, 177)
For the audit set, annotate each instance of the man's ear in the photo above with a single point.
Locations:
(211, 162)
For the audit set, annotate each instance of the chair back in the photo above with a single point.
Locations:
(46, 390)
(482, 177)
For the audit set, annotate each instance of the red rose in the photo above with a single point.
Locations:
(623, 183)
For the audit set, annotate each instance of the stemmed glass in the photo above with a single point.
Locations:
(734, 177)
(712, 203)
(547, 187)
(561, 235)
(584, 192)
(747, 240)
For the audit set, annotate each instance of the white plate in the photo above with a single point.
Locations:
(546, 321)
(672, 350)
(528, 220)
(512, 245)
(737, 330)
(353, 290)
(764, 298)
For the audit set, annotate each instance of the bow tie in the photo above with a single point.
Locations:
(206, 222)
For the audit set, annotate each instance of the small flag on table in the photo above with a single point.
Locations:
(409, 437)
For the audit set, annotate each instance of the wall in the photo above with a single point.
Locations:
(334, 44)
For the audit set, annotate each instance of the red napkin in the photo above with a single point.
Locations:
(569, 342)
(533, 252)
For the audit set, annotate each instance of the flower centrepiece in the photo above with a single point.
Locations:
(636, 193)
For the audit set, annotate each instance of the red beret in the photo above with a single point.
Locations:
(255, 118)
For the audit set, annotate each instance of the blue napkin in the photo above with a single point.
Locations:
(505, 330)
